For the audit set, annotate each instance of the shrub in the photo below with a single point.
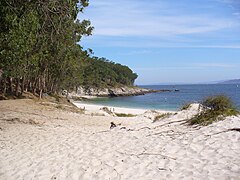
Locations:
(215, 108)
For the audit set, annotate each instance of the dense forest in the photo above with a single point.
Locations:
(41, 52)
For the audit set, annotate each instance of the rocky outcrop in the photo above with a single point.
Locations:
(112, 92)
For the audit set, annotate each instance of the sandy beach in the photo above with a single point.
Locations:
(95, 108)
(41, 140)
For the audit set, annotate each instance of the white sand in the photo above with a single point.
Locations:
(96, 108)
(41, 142)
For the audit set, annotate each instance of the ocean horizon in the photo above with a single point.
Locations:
(174, 100)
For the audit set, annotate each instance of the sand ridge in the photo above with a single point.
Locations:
(42, 142)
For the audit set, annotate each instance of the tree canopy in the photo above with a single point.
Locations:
(39, 50)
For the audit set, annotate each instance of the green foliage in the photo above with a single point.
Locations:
(100, 72)
(218, 103)
(215, 108)
(40, 51)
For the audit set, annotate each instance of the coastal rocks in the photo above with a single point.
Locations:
(112, 92)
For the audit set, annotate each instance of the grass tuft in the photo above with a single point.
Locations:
(216, 108)
(107, 110)
(161, 116)
(124, 115)
(185, 106)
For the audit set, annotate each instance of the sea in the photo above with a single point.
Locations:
(174, 100)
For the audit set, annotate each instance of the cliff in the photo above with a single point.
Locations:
(111, 92)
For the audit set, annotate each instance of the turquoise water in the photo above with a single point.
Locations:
(172, 100)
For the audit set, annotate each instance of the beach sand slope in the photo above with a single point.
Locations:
(45, 142)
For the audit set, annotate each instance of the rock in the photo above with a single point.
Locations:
(111, 92)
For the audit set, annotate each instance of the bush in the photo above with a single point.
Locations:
(215, 108)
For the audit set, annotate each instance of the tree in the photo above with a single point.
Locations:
(40, 51)
(38, 43)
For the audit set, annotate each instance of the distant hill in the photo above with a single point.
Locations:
(232, 81)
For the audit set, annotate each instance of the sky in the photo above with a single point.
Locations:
(168, 41)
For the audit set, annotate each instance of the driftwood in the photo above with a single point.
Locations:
(148, 154)
(100, 132)
(168, 131)
(163, 169)
(146, 127)
(139, 129)
(235, 129)
(182, 120)
(227, 130)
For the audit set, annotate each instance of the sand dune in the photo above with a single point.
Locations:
(44, 142)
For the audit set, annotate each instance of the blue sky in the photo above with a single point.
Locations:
(168, 41)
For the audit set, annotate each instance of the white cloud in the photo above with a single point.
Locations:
(154, 42)
(140, 18)
(135, 23)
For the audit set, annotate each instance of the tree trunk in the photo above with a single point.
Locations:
(40, 88)
(40, 93)
(1, 83)
(11, 84)
(17, 87)
(28, 86)
(43, 82)
(51, 89)
(23, 85)
(34, 91)
(4, 86)
(34, 86)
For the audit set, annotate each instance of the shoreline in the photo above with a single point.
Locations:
(115, 109)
